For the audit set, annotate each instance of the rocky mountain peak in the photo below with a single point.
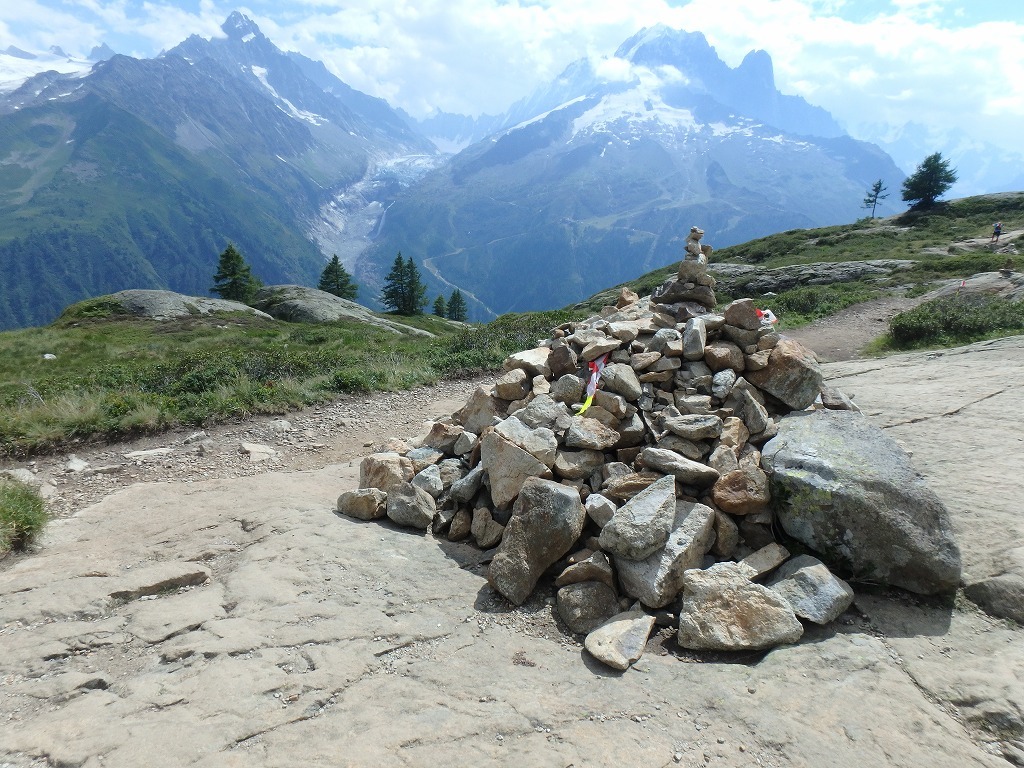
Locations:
(238, 26)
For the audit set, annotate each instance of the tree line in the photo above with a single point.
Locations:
(403, 293)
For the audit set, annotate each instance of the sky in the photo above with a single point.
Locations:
(874, 64)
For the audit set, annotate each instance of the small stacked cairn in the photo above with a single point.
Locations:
(651, 503)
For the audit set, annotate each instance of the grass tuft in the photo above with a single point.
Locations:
(22, 515)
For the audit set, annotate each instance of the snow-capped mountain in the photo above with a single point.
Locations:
(137, 173)
(17, 66)
(598, 177)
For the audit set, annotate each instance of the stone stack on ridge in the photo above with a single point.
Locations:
(657, 499)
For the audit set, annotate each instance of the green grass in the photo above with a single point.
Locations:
(936, 241)
(120, 376)
(953, 320)
(22, 515)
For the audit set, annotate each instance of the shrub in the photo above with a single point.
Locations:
(22, 514)
(955, 320)
(810, 302)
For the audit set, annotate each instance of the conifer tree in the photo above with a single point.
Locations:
(457, 306)
(416, 291)
(403, 292)
(929, 182)
(234, 279)
(336, 279)
(874, 195)
(440, 307)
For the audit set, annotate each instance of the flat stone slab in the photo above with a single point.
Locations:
(324, 654)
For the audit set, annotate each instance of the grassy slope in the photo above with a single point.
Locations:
(939, 241)
(116, 376)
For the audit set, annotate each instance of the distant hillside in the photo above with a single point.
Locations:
(909, 250)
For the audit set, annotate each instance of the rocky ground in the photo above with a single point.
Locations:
(192, 606)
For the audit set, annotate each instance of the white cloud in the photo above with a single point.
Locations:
(905, 60)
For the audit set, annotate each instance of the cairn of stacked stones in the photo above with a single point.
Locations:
(652, 501)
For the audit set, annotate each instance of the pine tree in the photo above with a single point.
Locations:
(416, 291)
(457, 306)
(234, 279)
(336, 279)
(393, 293)
(440, 307)
(404, 293)
(874, 195)
(929, 182)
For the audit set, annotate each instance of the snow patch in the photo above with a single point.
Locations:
(14, 70)
(249, 38)
(301, 114)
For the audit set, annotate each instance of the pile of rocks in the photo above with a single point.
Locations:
(653, 498)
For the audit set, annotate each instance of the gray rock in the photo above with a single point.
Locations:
(384, 471)
(465, 489)
(410, 506)
(577, 465)
(793, 375)
(533, 361)
(547, 519)
(167, 305)
(621, 379)
(429, 479)
(568, 389)
(813, 591)
(597, 567)
(600, 509)
(656, 580)
(1001, 595)
(584, 432)
(722, 610)
(544, 411)
(683, 469)
(722, 383)
(485, 529)
(852, 495)
(586, 605)
(423, 457)
(620, 641)
(363, 504)
(508, 466)
(466, 443)
(539, 443)
(299, 304)
(695, 336)
(482, 410)
(692, 426)
(642, 525)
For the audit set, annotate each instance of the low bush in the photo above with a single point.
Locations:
(955, 320)
(22, 514)
(811, 302)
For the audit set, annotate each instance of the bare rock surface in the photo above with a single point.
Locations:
(195, 609)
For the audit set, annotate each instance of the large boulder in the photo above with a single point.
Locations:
(642, 524)
(508, 466)
(792, 375)
(848, 491)
(546, 521)
(300, 304)
(723, 610)
(656, 580)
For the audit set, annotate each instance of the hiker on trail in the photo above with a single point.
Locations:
(997, 230)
